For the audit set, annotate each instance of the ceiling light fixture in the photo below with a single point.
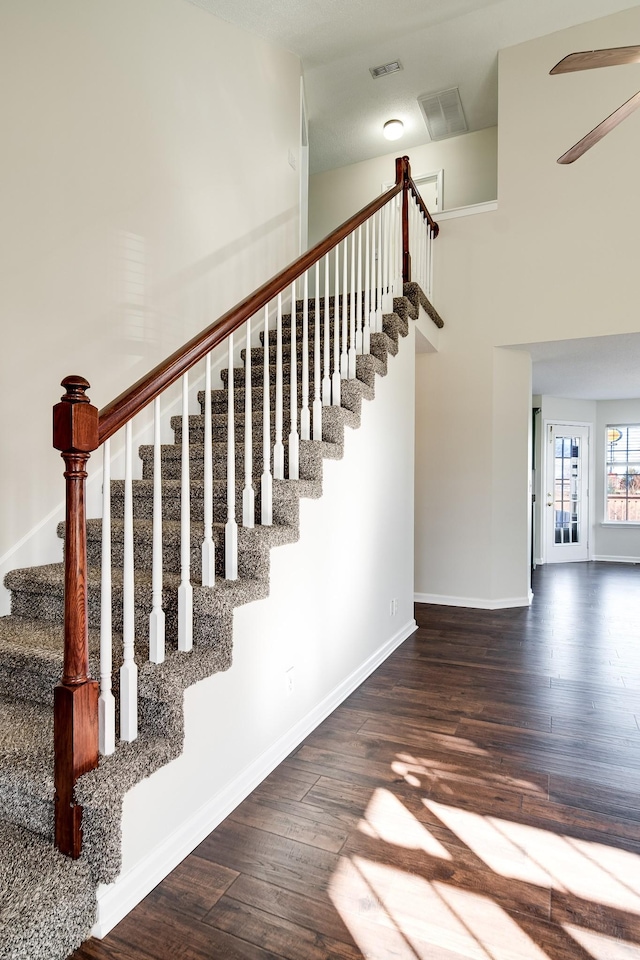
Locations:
(393, 129)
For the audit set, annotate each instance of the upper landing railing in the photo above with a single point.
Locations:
(357, 270)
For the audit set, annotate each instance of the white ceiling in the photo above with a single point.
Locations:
(592, 368)
(440, 43)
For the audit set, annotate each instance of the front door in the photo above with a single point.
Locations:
(567, 493)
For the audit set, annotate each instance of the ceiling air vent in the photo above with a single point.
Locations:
(443, 113)
(385, 69)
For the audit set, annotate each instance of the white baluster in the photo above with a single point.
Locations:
(129, 669)
(430, 275)
(278, 449)
(379, 306)
(106, 701)
(392, 226)
(208, 546)
(419, 273)
(317, 402)
(248, 494)
(366, 329)
(266, 483)
(185, 590)
(374, 288)
(344, 355)
(305, 419)
(427, 254)
(413, 239)
(359, 294)
(231, 527)
(397, 233)
(335, 381)
(421, 247)
(294, 444)
(326, 367)
(156, 618)
(392, 247)
(352, 311)
(425, 251)
(416, 259)
(387, 296)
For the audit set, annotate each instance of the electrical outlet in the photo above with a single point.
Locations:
(393, 607)
(289, 679)
(292, 159)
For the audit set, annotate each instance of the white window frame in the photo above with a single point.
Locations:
(605, 512)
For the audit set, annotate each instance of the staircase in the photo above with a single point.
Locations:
(47, 900)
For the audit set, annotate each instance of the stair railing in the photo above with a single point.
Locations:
(370, 256)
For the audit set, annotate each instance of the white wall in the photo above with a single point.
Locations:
(469, 163)
(556, 260)
(145, 189)
(612, 542)
(327, 615)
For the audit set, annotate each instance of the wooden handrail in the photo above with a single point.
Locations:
(133, 400)
(79, 429)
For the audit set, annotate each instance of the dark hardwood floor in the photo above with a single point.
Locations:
(477, 797)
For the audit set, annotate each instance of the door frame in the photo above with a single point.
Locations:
(435, 176)
(590, 475)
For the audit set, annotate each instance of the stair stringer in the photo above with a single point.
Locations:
(327, 615)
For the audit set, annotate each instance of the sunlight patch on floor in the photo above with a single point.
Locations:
(595, 872)
(393, 913)
(600, 947)
(388, 819)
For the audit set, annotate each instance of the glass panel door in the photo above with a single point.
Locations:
(567, 504)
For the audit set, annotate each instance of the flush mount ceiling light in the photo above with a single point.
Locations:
(385, 69)
(393, 129)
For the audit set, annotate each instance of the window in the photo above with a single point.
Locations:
(623, 473)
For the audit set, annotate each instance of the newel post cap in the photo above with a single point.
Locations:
(75, 419)
(403, 169)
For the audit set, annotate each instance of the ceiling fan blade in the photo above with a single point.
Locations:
(590, 59)
(601, 130)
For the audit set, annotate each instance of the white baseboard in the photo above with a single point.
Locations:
(607, 559)
(116, 900)
(476, 602)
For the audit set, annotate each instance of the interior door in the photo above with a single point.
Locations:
(567, 493)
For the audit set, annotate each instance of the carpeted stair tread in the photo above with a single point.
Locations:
(31, 656)
(333, 421)
(384, 345)
(367, 366)
(414, 294)
(285, 489)
(47, 901)
(26, 743)
(49, 578)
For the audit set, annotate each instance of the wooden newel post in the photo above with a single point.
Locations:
(75, 434)
(403, 175)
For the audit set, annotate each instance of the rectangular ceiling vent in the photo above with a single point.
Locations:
(443, 114)
(385, 69)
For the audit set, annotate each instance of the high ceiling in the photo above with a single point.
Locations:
(440, 44)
